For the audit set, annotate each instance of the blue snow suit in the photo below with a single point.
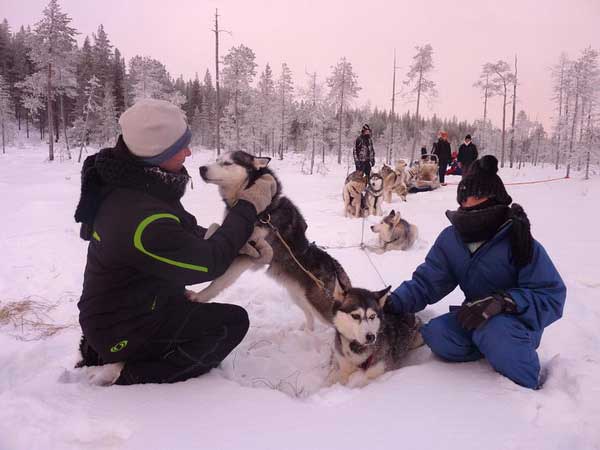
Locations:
(508, 342)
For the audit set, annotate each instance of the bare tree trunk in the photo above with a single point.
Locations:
(503, 127)
(237, 121)
(485, 100)
(27, 123)
(50, 118)
(393, 116)
(218, 105)
(575, 109)
(417, 128)
(282, 119)
(3, 137)
(64, 125)
(341, 113)
(514, 113)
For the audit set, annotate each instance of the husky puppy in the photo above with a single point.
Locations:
(373, 196)
(234, 172)
(393, 182)
(354, 187)
(369, 342)
(395, 233)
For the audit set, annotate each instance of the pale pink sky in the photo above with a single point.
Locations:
(313, 35)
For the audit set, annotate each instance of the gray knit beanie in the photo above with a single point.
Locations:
(155, 130)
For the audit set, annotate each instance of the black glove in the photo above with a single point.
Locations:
(473, 314)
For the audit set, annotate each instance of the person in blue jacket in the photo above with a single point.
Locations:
(512, 289)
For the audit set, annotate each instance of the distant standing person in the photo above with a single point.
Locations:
(441, 149)
(467, 153)
(364, 153)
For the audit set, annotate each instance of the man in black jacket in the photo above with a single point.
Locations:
(441, 149)
(144, 248)
(467, 153)
(364, 153)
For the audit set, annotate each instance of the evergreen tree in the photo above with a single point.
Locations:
(51, 45)
(285, 91)
(108, 128)
(239, 70)
(6, 113)
(343, 88)
(118, 81)
(102, 57)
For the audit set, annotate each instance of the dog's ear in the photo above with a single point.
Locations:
(382, 296)
(261, 163)
(392, 213)
(336, 305)
(339, 294)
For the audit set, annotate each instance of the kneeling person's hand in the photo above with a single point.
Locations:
(473, 314)
(261, 193)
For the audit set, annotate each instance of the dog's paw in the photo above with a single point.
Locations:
(358, 379)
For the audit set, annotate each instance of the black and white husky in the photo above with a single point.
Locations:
(369, 342)
(235, 171)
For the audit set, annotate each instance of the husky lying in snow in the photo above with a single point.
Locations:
(362, 199)
(395, 233)
(369, 342)
(232, 173)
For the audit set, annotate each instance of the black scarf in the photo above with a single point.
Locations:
(482, 222)
(117, 167)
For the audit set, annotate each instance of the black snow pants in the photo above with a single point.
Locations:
(443, 165)
(195, 339)
(364, 166)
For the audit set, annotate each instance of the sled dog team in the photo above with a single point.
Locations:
(141, 325)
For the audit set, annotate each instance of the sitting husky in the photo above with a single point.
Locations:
(354, 187)
(234, 172)
(395, 233)
(393, 182)
(373, 196)
(369, 342)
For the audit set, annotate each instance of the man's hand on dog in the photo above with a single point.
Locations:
(261, 193)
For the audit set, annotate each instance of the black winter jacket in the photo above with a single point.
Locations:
(441, 148)
(467, 154)
(363, 149)
(144, 249)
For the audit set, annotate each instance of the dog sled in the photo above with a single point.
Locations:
(424, 174)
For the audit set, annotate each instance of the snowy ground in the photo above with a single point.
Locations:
(268, 393)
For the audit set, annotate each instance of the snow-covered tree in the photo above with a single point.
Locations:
(239, 70)
(149, 78)
(502, 77)
(108, 128)
(285, 92)
(81, 125)
(343, 89)
(51, 45)
(6, 112)
(419, 84)
(488, 90)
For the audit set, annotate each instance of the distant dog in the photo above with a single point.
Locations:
(369, 342)
(234, 172)
(373, 196)
(354, 187)
(393, 182)
(395, 233)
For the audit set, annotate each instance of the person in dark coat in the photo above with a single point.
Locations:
(467, 153)
(364, 153)
(144, 248)
(512, 289)
(423, 153)
(442, 150)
